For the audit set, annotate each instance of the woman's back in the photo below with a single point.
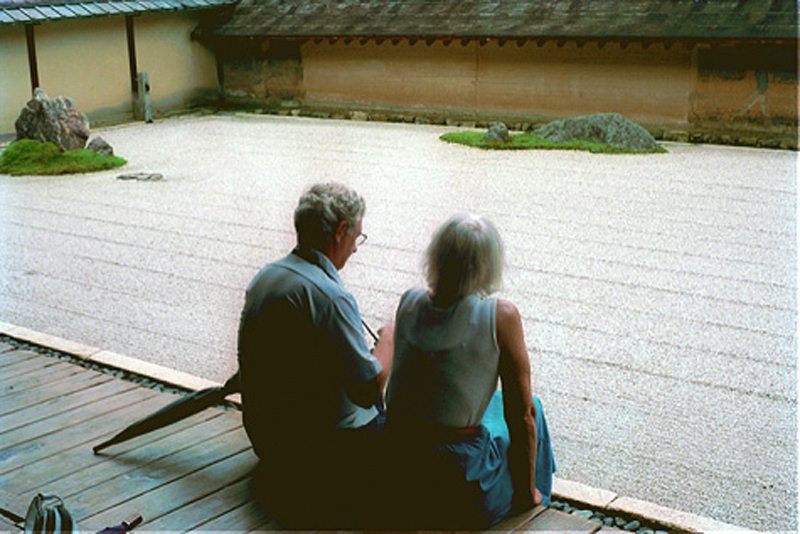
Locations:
(446, 361)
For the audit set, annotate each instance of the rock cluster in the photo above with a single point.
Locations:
(609, 128)
(497, 132)
(57, 121)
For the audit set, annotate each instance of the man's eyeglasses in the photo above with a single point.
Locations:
(361, 239)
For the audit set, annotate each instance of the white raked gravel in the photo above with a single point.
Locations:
(658, 293)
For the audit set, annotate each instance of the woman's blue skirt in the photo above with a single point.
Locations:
(467, 484)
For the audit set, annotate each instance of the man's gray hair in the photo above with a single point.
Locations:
(465, 257)
(320, 210)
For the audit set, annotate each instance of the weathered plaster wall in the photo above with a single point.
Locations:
(87, 60)
(652, 84)
(182, 72)
(402, 75)
(685, 90)
(262, 71)
(15, 88)
(746, 84)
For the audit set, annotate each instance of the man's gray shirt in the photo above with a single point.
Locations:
(301, 343)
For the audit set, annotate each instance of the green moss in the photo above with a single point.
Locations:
(526, 141)
(29, 157)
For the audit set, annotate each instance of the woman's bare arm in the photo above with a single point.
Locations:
(518, 407)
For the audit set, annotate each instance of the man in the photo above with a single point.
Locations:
(311, 389)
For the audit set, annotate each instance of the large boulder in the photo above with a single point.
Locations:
(610, 128)
(497, 132)
(57, 121)
(100, 146)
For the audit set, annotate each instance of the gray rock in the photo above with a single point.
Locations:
(632, 526)
(610, 128)
(142, 176)
(101, 146)
(358, 116)
(497, 132)
(57, 121)
(586, 514)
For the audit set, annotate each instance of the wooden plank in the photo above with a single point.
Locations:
(177, 488)
(13, 355)
(37, 379)
(6, 347)
(46, 438)
(163, 471)
(182, 491)
(192, 515)
(33, 404)
(556, 521)
(76, 470)
(13, 505)
(7, 526)
(514, 522)
(29, 365)
(249, 517)
(104, 410)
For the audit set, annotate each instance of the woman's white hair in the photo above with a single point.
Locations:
(320, 210)
(464, 257)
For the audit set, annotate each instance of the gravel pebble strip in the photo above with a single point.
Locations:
(629, 524)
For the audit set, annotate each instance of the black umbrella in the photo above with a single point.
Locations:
(182, 408)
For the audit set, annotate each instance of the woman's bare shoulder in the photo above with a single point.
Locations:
(506, 310)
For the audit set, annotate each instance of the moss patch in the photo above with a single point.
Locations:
(527, 141)
(29, 157)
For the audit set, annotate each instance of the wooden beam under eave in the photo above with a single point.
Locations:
(33, 65)
(132, 66)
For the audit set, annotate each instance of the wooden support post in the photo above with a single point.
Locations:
(32, 63)
(132, 67)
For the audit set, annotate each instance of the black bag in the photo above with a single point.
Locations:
(47, 513)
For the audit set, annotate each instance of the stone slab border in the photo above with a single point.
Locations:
(574, 493)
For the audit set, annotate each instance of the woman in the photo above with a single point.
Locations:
(465, 455)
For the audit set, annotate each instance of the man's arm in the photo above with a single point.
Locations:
(367, 394)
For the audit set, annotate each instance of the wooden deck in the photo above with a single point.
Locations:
(194, 475)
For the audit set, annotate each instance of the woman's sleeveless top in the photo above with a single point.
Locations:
(446, 361)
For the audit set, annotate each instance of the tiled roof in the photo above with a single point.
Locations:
(35, 11)
(514, 19)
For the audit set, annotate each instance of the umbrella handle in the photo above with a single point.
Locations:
(375, 337)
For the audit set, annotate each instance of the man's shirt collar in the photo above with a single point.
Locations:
(319, 259)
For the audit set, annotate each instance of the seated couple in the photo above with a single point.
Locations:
(448, 451)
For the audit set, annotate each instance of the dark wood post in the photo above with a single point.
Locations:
(32, 64)
(132, 59)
